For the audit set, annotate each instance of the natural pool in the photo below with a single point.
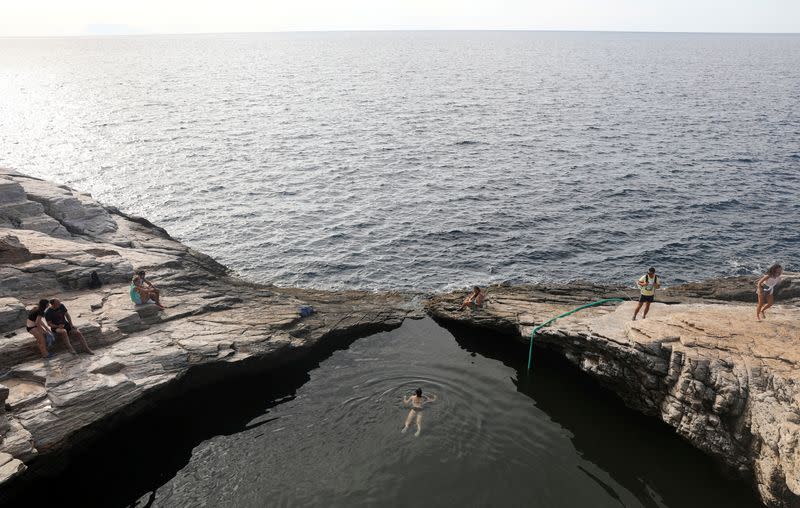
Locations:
(328, 434)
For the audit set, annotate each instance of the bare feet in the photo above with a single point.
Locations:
(404, 430)
(417, 432)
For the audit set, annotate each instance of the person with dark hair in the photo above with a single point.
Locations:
(474, 299)
(765, 290)
(648, 283)
(61, 323)
(417, 401)
(37, 327)
(143, 291)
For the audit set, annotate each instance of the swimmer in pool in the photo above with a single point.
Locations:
(417, 404)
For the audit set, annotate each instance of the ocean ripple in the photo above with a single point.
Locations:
(438, 160)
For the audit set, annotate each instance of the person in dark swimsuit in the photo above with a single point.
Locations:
(37, 327)
(61, 323)
(417, 405)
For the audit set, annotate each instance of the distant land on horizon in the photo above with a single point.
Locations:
(113, 29)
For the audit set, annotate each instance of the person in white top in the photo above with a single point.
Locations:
(765, 289)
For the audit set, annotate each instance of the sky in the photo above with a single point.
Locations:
(87, 17)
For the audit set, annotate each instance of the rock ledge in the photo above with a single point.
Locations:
(728, 384)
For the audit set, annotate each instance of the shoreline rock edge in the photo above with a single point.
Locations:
(698, 362)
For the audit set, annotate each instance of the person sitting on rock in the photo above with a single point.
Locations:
(765, 289)
(37, 327)
(61, 323)
(648, 283)
(474, 299)
(143, 291)
(417, 402)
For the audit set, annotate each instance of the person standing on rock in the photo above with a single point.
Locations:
(142, 290)
(37, 327)
(61, 323)
(765, 289)
(648, 283)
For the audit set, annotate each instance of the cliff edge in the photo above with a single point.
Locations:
(52, 238)
(728, 384)
(699, 362)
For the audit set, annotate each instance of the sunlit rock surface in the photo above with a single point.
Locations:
(52, 238)
(728, 384)
(702, 364)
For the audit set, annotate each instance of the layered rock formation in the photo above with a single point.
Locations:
(52, 238)
(728, 384)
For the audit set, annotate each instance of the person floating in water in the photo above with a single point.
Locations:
(474, 299)
(648, 283)
(765, 289)
(417, 401)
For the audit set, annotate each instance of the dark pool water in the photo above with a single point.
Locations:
(330, 436)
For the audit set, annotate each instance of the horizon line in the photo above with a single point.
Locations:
(373, 30)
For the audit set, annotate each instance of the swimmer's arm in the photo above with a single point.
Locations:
(761, 281)
(405, 400)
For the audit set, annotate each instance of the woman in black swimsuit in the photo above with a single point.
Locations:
(37, 326)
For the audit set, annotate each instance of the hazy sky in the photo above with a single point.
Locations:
(80, 17)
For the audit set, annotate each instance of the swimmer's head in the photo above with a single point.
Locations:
(418, 391)
(476, 289)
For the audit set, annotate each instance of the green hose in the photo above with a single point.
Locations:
(573, 311)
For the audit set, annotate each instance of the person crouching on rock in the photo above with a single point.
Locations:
(765, 289)
(37, 327)
(474, 299)
(61, 323)
(648, 283)
(143, 291)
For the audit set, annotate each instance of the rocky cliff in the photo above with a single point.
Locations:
(728, 384)
(699, 362)
(52, 238)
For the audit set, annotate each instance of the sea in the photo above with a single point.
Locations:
(427, 160)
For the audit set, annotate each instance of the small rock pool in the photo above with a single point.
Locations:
(329, 435)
